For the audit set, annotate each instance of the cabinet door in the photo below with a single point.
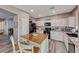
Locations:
(40, 23)
(76, 17)
(57, 35)
(59, 22)
(39, 31)
(71, 21)
(54, 23)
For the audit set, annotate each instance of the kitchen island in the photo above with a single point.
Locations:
(37, 41)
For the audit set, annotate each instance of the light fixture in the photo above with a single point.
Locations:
(32, 10)
(39, 15)
(53, 11)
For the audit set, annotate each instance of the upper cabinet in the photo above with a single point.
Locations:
(54, 22)
(76, 17)
(71, 21)
(59, 22)
(40, 23)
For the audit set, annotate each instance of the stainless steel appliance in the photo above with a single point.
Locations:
(47, 28)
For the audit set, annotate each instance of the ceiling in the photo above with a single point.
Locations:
(45, 10)
(5, 14)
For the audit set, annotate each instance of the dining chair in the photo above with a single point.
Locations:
(16, 48)
(25, 46)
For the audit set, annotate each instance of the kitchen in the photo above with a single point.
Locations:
(61, 28)
(53, 29)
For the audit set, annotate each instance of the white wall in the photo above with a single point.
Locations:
(19, 15)
(8, 23)
(24, 23)
(5, 27)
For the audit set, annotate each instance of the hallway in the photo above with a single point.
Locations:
(5, 44)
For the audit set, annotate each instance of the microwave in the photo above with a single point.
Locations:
(47, 24)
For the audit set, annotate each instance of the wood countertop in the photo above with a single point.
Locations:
(35, 37)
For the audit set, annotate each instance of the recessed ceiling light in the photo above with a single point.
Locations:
(32, 10)
(53, 11)
(39, 15)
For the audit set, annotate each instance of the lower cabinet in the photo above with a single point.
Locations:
(71, 48)
(56, 35)
(57, 47)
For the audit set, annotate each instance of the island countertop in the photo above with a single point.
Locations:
(35, 37)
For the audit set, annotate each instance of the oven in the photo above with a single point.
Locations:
(47, 28)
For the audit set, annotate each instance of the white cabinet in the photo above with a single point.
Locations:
(60, 47)
(57, 35)
(76, 17)
(43, 46)
(55, 23)
(40, 23)
(71, 21)
(39, 31)
(59, 22)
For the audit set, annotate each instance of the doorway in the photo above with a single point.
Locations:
(6, 29)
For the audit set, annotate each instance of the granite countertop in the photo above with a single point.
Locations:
(37, 38)
(72, 34)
